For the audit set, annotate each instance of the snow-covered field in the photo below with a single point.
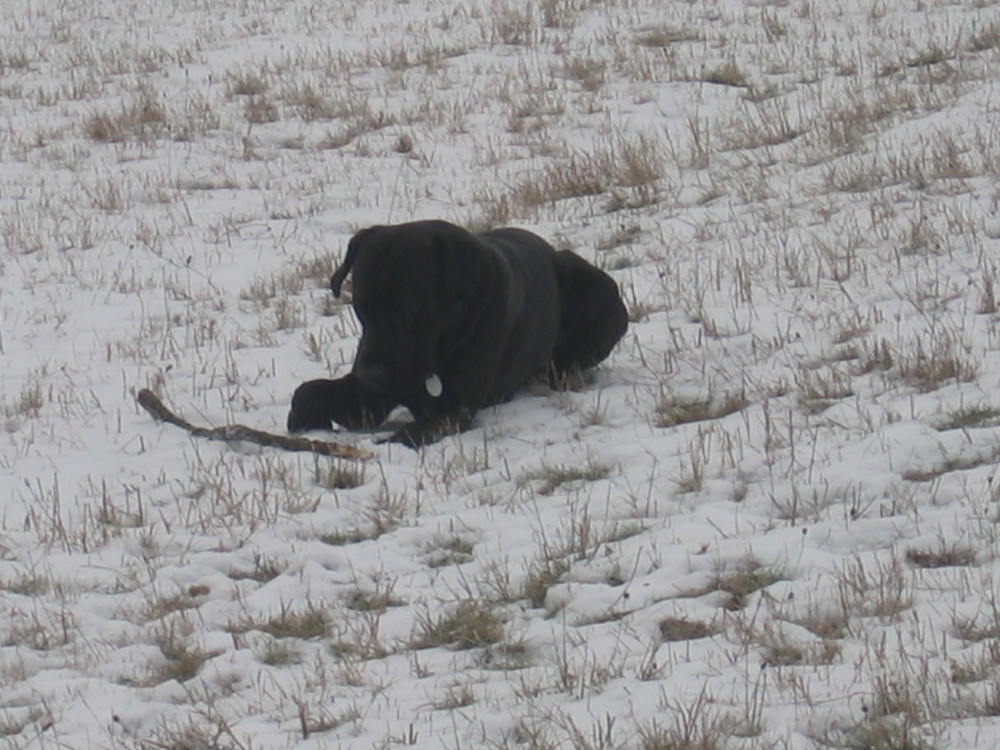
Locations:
(769, 522)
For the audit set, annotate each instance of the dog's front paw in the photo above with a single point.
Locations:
(416, 435)
(424, 432)
(319, 403)
(310, 410)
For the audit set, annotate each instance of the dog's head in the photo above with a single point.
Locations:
(415, 290)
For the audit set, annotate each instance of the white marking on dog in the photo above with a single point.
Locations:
(433, 386)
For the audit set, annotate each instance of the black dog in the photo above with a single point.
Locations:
(453, 322)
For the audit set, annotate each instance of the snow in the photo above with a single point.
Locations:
(815, 245)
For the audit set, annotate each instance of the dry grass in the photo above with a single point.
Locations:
(374, 601)
(798, 201)
(339, 475)
(628, 172)
(945, 556)
(692, 727)
(182, 660)
(263, 570)
(928, 369)
(684, 629)
(452, 551)
(741, 583)
(553, 476)
(541, 577)
(673, 412)
(879, 589)
(727, 74)
(144, 118)
(968, 418)
(471, 624)
(313, 622)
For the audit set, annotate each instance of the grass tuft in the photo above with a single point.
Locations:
(554, 476)
(541, 577)
(741, 583)
(684, 629)
(472, 624)
(963, 419)
(728, 74)
(142, 119)
(182, 659)
(313, 622)
(670, 413)
(948, 556)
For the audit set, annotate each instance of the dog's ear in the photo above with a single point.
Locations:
(337, 280)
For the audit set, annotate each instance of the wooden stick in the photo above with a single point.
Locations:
(237, 432)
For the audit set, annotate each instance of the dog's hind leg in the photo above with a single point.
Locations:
(593, 316)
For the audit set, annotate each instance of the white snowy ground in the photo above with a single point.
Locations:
(771, 521)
